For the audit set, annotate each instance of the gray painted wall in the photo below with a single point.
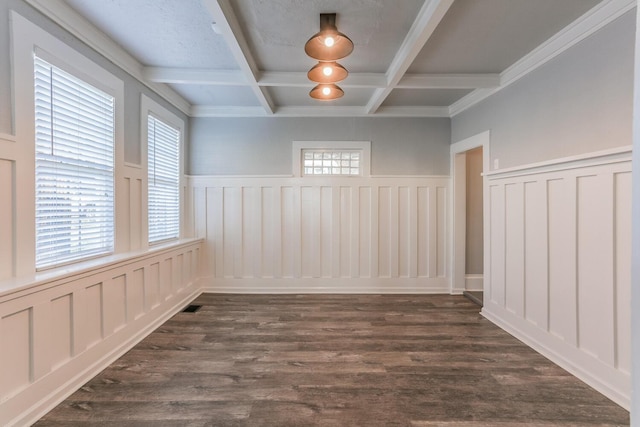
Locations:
(133, 88)
(579, 102)
(262, 146)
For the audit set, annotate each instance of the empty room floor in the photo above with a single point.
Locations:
(333, 360)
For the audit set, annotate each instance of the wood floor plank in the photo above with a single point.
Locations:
(334, 360)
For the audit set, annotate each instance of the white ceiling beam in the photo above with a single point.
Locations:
(297, 79)
(423, 27)
(448, 81)
(195, 76)
(223, 15)
(216, 111)
(319, 111)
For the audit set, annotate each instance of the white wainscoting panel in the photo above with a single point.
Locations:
(59, 330)
(7, 195)
(559, 264)
(285, 234)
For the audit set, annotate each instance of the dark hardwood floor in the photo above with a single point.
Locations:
(334, 360)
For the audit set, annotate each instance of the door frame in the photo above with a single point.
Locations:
(459, 208)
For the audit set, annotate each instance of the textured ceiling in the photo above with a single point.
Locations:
(411, 57)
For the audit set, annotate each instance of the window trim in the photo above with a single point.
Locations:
(299, 146)
(101, 165)
(27, 39)
(149, 107)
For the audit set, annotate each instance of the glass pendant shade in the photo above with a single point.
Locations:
(328, 44)
(326, 92)
(327, 72)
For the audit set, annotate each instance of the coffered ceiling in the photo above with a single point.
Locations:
(430, 58)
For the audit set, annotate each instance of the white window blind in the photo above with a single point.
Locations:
(163, 147)
(74, 125)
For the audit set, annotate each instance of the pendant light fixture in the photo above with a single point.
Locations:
(327, 46)
(326, 92)
(327, 72)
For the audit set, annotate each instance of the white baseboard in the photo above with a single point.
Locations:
(438, 285)
(473, 282)
(614, 384)
(90, 363)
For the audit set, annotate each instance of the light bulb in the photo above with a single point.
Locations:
(326, 91)
(329, 41)
(327, 71)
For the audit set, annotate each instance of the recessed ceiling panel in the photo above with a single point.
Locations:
(217, 96)
(162, 33)
(278, 29)
(299, 96)
(424, 97)
(488, 36)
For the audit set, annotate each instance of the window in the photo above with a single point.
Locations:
(163, 160)
(331, 158)
(330, 162)
(74, 167)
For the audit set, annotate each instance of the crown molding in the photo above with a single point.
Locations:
(589, 23)
(70, 20)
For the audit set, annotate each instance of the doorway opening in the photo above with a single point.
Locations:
(469, 162)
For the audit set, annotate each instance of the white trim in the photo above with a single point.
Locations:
(209, 177)
(5, 137)
(568, 357)
(448, 81)
(223, 15)
(298, 146)
(474, 282)
(194, 76)
(113, 350)
(318, 111)
(132, 165)
(421, 30)
(635, 238)
(8, 147)
(216, 111)
(438, 285)
(21, 286)
(597, 158)
(459, 209)
(409, 111)
(485, 84)
(50, 385)
(65, 16)
(592, 21)
(26, 39)
(298, 79)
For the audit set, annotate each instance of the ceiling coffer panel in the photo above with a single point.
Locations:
(410, 57)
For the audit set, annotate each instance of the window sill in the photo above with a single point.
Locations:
(20, 286)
